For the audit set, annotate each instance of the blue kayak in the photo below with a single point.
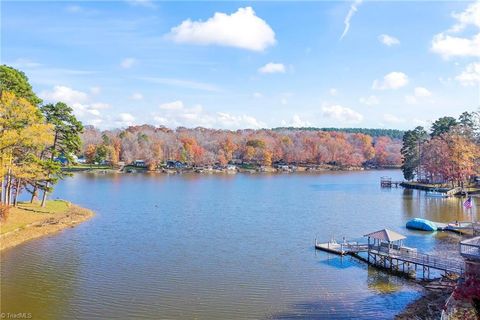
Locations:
(422, 224)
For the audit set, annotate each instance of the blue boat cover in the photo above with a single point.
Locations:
(422, 224)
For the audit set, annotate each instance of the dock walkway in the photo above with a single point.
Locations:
(402, 260)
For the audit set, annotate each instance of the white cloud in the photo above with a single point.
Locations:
(342, 114)
(333, 92)
(419, 94)
(422, 92)
(99, 105)
(470, 76)
(127, 63)
(95, 122)
(410, 99)
(393, 80)
(22, 63)
(95, 90)
(175, 105)
(296, 122)
(388, 40)
(176, 114)
(257, 95)
(370, 101)
(64, 94)
(136, 96)
(74, 9)
(448, 45)
(125, 119)
(87, 111)
(420, 122)
(471, 16)
(284, 101)
(227, 120)
(351, 12)
(241, 29)
(390, 118)
(272, 67)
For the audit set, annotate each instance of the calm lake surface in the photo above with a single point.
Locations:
(220, 247)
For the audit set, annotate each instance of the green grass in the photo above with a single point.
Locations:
(52, 206)
(86, 167)
(248, 166)
(27, 213)
(89, 166)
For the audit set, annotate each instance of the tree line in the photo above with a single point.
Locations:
(32, 136)
(391, 133)
(450, 152)
(201, 146)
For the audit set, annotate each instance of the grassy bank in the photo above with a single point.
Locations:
(87, 167)
(29, 221)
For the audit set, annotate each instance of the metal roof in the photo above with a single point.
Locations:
(385, 235)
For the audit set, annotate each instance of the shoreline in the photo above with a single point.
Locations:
(239, 169)
(431, 302)
(472, 190)
(35, 223)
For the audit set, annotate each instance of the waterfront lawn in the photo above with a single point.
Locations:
(28, 213)
(86, 167)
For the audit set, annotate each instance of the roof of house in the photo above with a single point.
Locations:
(386, 235)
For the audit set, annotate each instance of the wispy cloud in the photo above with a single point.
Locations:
(388, 40)
(142, 3)
(272, 67)
(353, 8)
(76, 9)
(182, 83)
(127, 63)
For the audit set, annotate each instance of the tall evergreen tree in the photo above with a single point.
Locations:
(412, 152)
(16, 81)
(66, 143)
(442, 125)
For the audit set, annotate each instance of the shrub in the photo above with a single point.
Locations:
(4, 212)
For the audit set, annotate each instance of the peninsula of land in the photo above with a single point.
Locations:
(29, 221)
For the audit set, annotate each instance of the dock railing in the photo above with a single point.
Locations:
(435, 262)
(470, 248)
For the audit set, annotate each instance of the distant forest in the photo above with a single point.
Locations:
(392, 133)
(202, 146)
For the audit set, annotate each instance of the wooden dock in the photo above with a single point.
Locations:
(341, 248)
(397, 259)
(387, 182)
(460, 227)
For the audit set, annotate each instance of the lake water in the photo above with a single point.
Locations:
(220, 247)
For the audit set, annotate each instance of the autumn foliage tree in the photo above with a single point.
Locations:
(24, 133)
(32, 136)
(452, 154)
(201, 146)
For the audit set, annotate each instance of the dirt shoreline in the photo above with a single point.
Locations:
(46, 225)
(431, 303)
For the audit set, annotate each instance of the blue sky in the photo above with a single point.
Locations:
(249, 64)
